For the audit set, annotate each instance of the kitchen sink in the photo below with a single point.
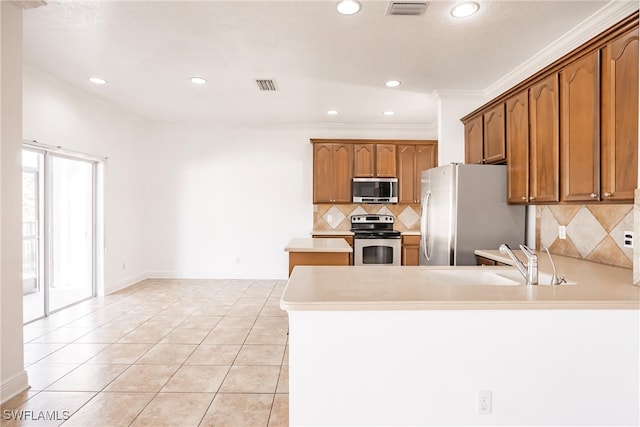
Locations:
(484, 276)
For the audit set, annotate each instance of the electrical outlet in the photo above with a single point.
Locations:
(562, 232)
(484, 402)
(628, 239)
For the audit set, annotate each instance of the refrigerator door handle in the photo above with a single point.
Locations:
(424, 225)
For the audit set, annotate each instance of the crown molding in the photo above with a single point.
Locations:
(29, 4)
(609, 15)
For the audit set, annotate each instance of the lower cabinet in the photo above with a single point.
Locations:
(318, 258)
(480, 260)
(410, 250)
(347, 237)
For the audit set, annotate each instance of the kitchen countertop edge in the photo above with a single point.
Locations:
(598, 287)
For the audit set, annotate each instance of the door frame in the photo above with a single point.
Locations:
(97, 209)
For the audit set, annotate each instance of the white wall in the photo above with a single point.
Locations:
(452, 106)
(386, 368)
(56, 113)
(224, 202)
(13, 378)
(189, 200)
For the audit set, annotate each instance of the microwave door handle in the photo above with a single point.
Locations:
(424, 225)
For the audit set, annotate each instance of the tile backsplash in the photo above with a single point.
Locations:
(336, 217)
(593, 232)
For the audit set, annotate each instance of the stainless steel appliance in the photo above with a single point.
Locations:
(464, 208)
(374, 240)
(375, 190)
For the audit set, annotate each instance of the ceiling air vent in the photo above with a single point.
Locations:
(407, 8)
(267, 85)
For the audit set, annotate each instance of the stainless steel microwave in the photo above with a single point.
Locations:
(375, 190)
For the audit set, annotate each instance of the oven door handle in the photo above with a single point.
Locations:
(424, 225)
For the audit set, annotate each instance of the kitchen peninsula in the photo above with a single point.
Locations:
(416, 346)
(310, 251)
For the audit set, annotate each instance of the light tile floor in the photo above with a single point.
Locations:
(160, 353)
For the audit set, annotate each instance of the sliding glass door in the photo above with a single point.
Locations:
(72, 225)
(32, 238)
(58, 231)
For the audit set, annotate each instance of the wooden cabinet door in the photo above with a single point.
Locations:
(386, 160)
(332, 173)
(342, 173)
(322, 173)
(412, 160)
(473, 135)
(426, 158)
(410, 250)
(494, 147)
(364, 160)
(406, 174)
(619, 156)
(580, 130)
(517, 142)
(544, 137)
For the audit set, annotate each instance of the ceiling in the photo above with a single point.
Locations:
(320, 60)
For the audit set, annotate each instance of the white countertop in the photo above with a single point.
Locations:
(318, 245)
(415, 288)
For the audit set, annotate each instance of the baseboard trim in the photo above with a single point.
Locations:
(186, 275)
(124, 283)
(14, 385)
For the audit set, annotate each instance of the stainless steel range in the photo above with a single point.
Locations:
(375, 242)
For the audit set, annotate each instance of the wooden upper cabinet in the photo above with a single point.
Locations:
(374, 160)
(473, 135)
(544, 145)
(406, 174)
(363, 160)
(517, 146)
(580, 129)
(412, 160)
(332, 173)
(337, 161)
(494, 147)
(322, 173)
(386, 160)
(570, 131)
(426, 158)
(619, 127)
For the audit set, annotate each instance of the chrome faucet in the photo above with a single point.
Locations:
(555, 279)
(530, 272)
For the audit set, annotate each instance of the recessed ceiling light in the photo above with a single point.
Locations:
(392, 83)
(388, 113)
(348, 7)
(98, 80)
(463, 10)
(198, 80)
(332, 112)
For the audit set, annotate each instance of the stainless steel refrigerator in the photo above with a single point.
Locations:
(464, 208)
